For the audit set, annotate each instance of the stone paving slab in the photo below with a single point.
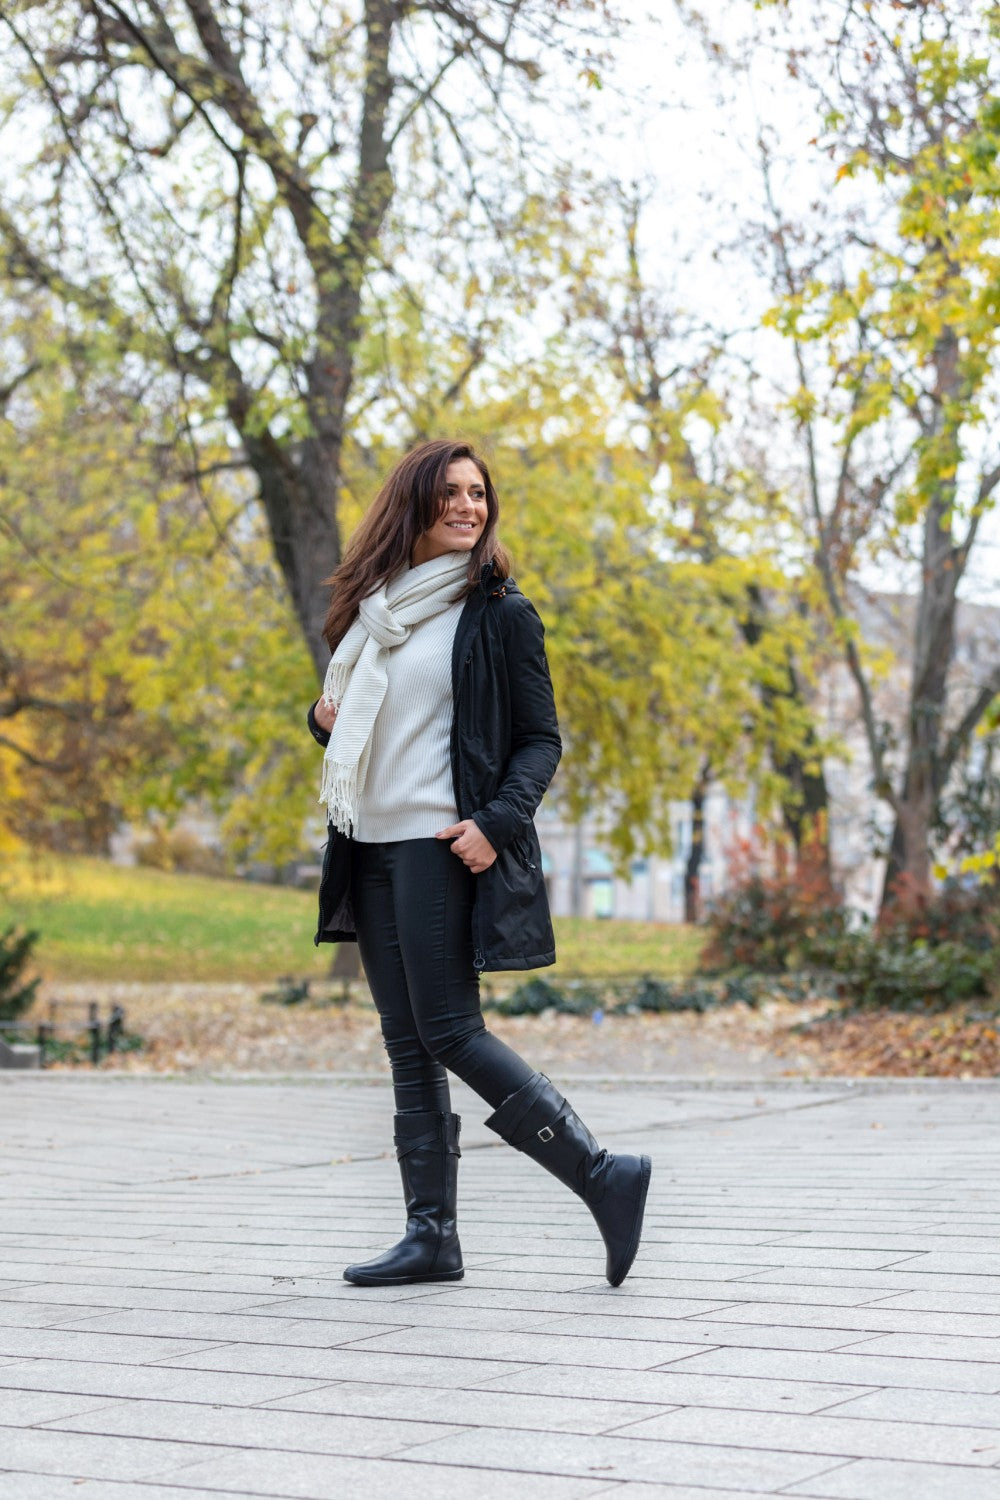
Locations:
(82, 1453)
(896, 1319)
(629, 1458)
(952, 1408)
(848, 1368)
(663, 1387)
(289, 1431)
(488, 1407)
(63, 1487)
(899, 1481)
(318, 1476)
(829, 1432)
(815, 1310)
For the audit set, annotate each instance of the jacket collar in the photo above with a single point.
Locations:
(491, 580)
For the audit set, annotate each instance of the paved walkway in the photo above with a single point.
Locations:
(815, 1311)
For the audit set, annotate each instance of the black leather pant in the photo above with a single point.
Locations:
(413, 909)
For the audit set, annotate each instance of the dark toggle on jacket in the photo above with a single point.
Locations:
(505, 747)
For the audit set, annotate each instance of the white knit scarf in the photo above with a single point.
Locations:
(357, 677)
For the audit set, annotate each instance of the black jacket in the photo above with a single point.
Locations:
(505, 747)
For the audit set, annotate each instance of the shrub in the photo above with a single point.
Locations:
(893, 973)
(956, 912)
(177, 850)
(531, 999)
(773, 920)
(662, 996)
(16, 993)
(289, 991)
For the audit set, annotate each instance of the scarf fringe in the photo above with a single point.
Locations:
(338, 675)
(339, 790)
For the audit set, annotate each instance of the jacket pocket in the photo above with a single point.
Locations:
(523, 850)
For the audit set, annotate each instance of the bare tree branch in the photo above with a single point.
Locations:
(30, 757)
(468, 23)
(6, 391)
(824, 561)
(962, 732)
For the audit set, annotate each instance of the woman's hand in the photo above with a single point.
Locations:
(470, 844)
(324, 715)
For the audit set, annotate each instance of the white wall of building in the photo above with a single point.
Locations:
(654, 889)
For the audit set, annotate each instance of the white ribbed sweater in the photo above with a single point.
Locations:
(408, 791)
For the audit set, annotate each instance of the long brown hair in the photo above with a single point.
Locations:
(413, 497)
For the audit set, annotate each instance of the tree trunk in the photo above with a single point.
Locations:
(299, 500)
(299, 488)
(692, 886)
(805, 807)
(908, 872)
(806, 814)
(346, 962)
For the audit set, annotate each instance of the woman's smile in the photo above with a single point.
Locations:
(464, 518)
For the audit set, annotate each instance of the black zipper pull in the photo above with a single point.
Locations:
(479, 963)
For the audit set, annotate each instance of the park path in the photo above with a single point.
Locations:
(815, 1310)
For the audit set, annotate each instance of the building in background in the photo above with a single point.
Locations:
(579, 870)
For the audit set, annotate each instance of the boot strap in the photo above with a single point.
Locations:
(431, 1138)
(545, 1134)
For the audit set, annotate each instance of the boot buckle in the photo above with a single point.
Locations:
(546, 1133)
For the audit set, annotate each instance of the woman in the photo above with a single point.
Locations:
(440, 731)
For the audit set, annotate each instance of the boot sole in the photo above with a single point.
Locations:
(625, 1264)
(404, 1280)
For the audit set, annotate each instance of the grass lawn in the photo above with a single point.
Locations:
(602, 949)
(102, 921)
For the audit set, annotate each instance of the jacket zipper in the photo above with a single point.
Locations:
(519, 849)
(479, 959)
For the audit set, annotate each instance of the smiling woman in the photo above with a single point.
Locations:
(405, 526)
(463, 520)
(440, 732)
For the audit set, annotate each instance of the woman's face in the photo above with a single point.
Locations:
(463, 519)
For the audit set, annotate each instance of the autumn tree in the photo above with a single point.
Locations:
(657, 665)
(652, 672)
(228, 188)
(717, 499)
(177, 677)
(149, 661)
(894, 339)
(289, 233)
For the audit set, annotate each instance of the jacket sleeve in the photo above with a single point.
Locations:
(319, 734)
(535, 746)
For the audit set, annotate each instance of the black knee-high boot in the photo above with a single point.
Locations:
(538, 1121)
(428, 1152)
